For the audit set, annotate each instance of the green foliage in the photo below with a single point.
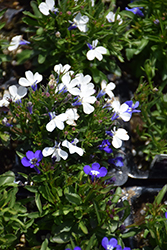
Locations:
(153, 112)
(53, 43)
(154, 225)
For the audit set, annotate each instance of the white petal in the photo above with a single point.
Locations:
(50, 126)
(59, 124)
(90, 55)
(48, 151)
(66, 68)
(57, 68)
(37, 77)
(24, 82)
(13, 90)
(63, 154)
(74, 91)
(30, 77)
(116, 142)
(101, 50)
(77, 18)
(44, 9)
(122, 134)
(82, 27)
(66, 79)
(94, 43)
(98, 55)
(87, 108)
(21, 91)
(125, 116)
(111, 86)
(50, 4)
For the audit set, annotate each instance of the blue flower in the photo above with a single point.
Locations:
(95, 171)
(118, 161)
(110, 244)
(105, 146)
(135, 10)
(132, 107)
(32, 160)
(166, 215)
(75, 248)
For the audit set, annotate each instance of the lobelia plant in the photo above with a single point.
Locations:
(67, 133)
(67, 32)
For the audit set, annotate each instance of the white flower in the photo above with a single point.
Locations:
(121, 110)
(106, 89)
(71, 116)
(57, 121)
(47, 6)
(84, 80)
(86, 98)
(111, 18)
(55, 151)
(68, 85)
(4, 102)
(72, 147)
(60, 69)
(95, 52)
(80, 22)
(17, 93)
(119, 135)
(30, 80)
(16, 41)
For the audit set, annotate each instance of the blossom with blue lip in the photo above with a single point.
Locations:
(32, 160)
(16, 41)
(80, 22)
(95, 170)
(48, 6)
(132, 107)
(30, 79)
(56, 152)
(16, 94)
(110, 244)
(117, 161)
(135, 10)
(106, 89)
(105, 145)
(95, 52)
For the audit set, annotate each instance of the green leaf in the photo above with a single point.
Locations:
(97, 212)
(117, 195)
(44, 245)
(61, 238)
(10, 238)
(7, 178)
(73, 198)
(160, 195)
(83, 227)
(41, 58)
(38, 202)
(90, 244)
(20, 154)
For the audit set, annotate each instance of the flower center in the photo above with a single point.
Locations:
(95, 172)
(33, 161)
(109, 247)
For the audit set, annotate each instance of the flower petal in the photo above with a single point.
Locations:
(25, 162)
(90, 55)
(48, 151)
(87, 169)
